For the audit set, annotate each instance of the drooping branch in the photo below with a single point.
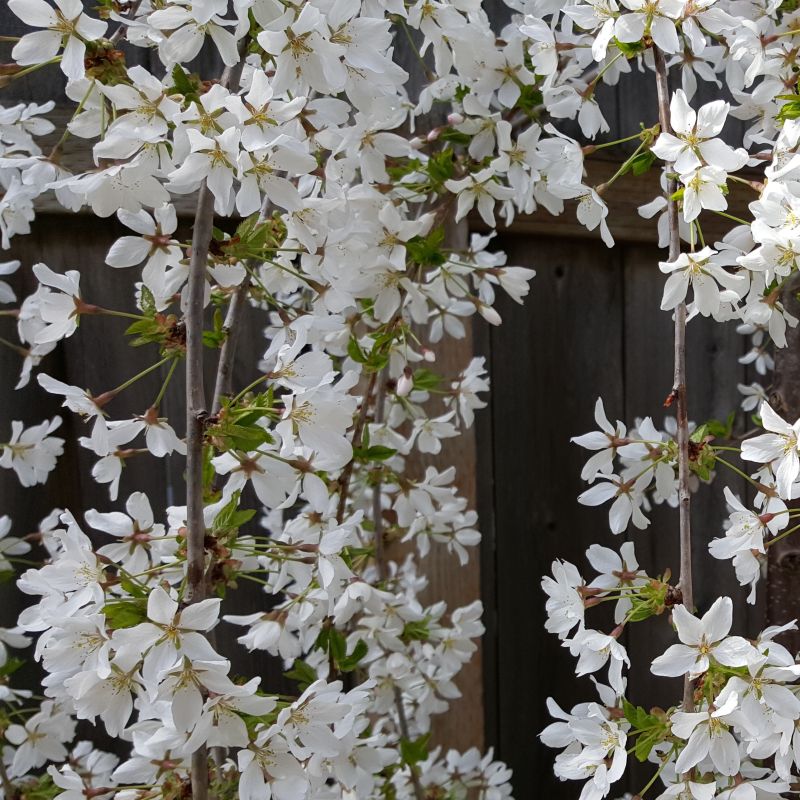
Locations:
(678, 394)
(196, 413)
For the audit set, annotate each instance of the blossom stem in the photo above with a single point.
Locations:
(679, 375)
(739, 220)
(595, 147)
(696, 227)
(754, 186)
(28, 70)
(56, 149)
(15, 347)
(249, 577)
(110, 312)
(589, 91)
(622, 169)
(783, 535)
(163, 389)
(738, 471)
(259, 379)
(131, 381)
(654, 778)
(414, 49)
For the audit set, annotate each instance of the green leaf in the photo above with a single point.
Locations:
(11, 666)
(125, 613)
(649, 602)
(147, 302)
(416, 630)
(440, 168)
(425, 380)
(337, 645)
(699, 433)
(355, 352)
(530, 100)
(427, 250)
(303, 673)
(375, 453)
(461, 92)
(231, 517)
(645, 743)
(790, 109)
(629, 49)
(457, 137)
(642, 163)
(181, 82)
(414, 751)
(722, 430)
(349, 663)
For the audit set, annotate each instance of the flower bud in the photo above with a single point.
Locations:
(428, 355)
(405, 383)
(454, 118)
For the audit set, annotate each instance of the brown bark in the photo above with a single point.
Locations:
(678, 396)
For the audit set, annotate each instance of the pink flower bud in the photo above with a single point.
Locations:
(428, 355)
(454, 118)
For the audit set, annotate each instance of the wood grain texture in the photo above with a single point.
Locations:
(591, 326)
(548, 362)
(462, 726)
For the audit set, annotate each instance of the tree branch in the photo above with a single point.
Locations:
(419, 792)
(232, 327)
(679, 380)
(358, 432)
(196, 413)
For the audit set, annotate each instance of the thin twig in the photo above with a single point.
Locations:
(122, 28)
(419, 792)
(679, 382)
(377, 508)
(232, 327)
(347, 473)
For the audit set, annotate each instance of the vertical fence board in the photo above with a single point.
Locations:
(549, 359)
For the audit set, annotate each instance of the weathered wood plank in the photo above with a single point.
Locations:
(549, 361)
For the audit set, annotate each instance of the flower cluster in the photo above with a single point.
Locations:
(343, 186)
